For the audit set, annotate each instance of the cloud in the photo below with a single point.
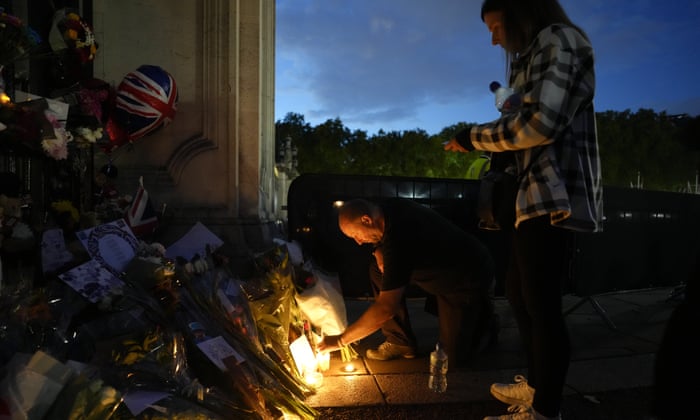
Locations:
(419, 64)
(383, 60)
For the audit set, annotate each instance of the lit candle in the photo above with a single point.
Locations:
(324, 361)
(349, 368)
(313, 379)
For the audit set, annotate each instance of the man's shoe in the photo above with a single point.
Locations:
(522, 413)
(519, 393)
(389, 351)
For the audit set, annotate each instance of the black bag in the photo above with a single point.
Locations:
(495, 205)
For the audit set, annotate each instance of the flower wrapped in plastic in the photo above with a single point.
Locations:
(220, 340)
(32, 320)
(30, 383)
(17, 40)
(322, 303)
(157, 360)
(24, 124)
(73, 33)
(220, 326)
(173, 407)
(271, 295)
(87, 397)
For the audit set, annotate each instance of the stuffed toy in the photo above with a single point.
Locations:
(506, 98)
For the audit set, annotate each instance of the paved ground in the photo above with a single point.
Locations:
(625, 404)
(614, 336)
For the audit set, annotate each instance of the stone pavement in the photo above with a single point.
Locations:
(614, 340)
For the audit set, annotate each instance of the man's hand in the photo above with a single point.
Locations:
(379, 258)
(329, 343)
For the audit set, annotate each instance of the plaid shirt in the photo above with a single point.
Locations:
(556, 82)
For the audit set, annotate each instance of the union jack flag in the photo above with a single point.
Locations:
(141, 217)
(146, 101)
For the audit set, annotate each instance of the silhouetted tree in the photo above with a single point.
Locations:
(663, 149)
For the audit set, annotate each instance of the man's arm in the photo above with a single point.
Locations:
(383, 309)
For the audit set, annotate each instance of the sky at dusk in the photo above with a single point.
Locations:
(415, 64)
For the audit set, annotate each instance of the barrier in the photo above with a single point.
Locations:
(650, 238)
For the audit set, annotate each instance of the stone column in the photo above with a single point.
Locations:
(214, 163)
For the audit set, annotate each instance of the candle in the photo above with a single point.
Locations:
(349, 368)
(313, 379)
(324, 361)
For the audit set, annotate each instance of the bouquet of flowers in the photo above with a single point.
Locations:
(31, 320)
(164, 358)
(86, 397)
(17, 40)
(323, 305)
(73, 33)
(271, 294)
(214, 301)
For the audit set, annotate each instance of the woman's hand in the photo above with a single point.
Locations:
(330, 343)
(453, 146)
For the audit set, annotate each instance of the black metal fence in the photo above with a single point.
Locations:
(650, 238)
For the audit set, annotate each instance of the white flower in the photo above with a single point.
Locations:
(56, 148)
(91, 136)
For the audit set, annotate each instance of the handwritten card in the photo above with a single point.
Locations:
(217, 349)
(138, 401)
(194, 242)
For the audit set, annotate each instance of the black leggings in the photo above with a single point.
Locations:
(537, 268)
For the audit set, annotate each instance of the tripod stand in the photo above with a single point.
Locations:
(589, 298)
(598, 308)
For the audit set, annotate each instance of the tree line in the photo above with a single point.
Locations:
(641, 149)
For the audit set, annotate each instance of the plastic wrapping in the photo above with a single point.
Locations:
(323, 304)
(168, 343)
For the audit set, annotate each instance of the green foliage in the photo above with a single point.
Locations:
(647, 145)
(664, 150)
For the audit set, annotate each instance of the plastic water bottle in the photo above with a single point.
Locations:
(438, 370)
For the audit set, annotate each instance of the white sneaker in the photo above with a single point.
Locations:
(523, 413)
(520, 393)
(390, 351)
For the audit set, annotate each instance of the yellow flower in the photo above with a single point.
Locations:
(66, 206)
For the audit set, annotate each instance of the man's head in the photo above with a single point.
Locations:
(361, 221)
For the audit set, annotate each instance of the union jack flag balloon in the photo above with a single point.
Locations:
(146, 101)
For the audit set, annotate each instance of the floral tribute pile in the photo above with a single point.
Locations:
(45, 125)
(74, 111)
(156, 336)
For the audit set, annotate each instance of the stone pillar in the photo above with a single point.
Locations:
(214, 163)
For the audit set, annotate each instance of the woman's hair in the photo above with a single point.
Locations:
(524, 19)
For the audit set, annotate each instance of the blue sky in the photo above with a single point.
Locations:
(405, 64)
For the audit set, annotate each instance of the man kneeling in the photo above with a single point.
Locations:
(415, 244)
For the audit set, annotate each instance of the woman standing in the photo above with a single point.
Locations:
(550, 66)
